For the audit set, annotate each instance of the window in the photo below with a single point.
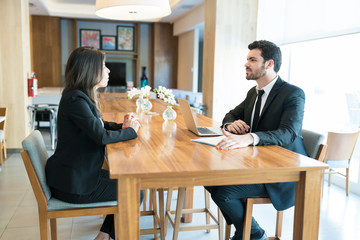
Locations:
(327, 70)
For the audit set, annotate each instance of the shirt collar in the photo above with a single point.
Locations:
(269, 86)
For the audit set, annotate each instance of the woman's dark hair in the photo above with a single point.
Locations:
(83, 72)
(269, 51)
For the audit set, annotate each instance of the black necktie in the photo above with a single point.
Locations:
(257, 111)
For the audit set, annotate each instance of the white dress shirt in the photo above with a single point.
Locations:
(264, 97)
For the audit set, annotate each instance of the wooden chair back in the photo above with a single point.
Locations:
(3, 113)
(341, 145)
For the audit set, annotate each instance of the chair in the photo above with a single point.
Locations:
(316, 149)
(34, 155)
(219, 222)
(3, 114)
(45, 113)
(340, 149)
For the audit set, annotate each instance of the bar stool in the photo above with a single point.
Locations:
(219, 221)
(153, 211)
(46, 113)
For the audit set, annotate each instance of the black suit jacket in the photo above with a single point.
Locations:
(280, 124)
(75, 166)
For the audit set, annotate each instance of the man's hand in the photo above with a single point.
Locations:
(238, 127)
(234, 141)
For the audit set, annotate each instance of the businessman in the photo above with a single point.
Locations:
(271, 114)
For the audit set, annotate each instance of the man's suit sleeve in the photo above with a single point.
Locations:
(235, 114)
(290, 121)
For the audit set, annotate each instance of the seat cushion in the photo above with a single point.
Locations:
(338, 163)
(56, 204)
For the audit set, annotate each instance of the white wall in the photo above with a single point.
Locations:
(288, 21)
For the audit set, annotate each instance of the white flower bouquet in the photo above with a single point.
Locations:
(143, 92)
(166, 95)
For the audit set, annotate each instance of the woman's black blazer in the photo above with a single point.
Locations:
(75, 166)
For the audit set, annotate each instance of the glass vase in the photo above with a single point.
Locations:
(138, 102)
(146, 105)
(169, 114)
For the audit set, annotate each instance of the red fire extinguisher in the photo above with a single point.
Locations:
(32, 86)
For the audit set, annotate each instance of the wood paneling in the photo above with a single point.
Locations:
(46, 50)
(165, 56)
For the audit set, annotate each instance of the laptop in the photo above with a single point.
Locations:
(190, 122)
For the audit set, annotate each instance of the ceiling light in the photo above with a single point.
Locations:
(132, 9)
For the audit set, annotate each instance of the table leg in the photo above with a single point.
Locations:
(189, 200)
(307, 206)
(128, 209)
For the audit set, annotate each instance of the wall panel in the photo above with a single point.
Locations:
(165, 56)
(46, 50)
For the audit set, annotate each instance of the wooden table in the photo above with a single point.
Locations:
(163, 156)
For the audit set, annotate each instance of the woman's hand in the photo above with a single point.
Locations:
(127, 118)
(131, 121)
(134, 123)
(234, 141)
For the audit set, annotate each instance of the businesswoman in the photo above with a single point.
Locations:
(74, 171)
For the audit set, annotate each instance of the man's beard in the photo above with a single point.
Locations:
(257, 74)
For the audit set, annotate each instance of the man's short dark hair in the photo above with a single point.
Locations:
(269, 51)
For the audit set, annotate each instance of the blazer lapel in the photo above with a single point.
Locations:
(274, 91)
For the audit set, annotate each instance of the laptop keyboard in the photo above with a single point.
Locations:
(204, 130)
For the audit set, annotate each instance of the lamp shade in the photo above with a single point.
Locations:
(132, 9)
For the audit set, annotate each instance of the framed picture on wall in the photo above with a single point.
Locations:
(108, 42)
(125, 38)
(90, 38)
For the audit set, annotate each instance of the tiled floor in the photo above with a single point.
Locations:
(340, 215)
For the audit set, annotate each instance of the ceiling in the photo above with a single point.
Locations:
(86, 8)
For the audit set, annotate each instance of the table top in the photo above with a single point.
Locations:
(164, 149)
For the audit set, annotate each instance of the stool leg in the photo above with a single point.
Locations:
(154, 204)
(221, 223)
(227, 231)
(179, 206)
(247, 219)
(161, 213)
(151, 203)
(207, 206)
(145, 199)
(168, 204)
(279, 220)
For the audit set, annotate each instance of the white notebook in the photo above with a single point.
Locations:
(212, 141)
